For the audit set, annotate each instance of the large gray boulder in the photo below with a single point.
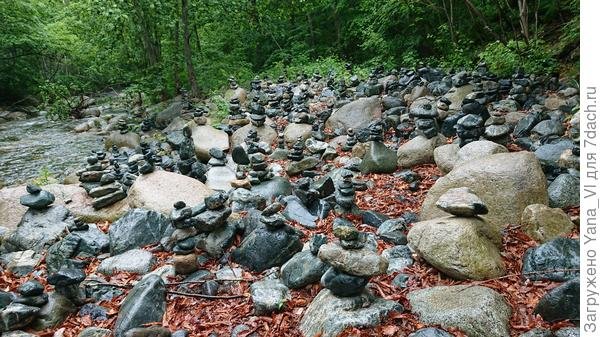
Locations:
(357, 114)
(163, 118)
(145, 303)
(462, 248)
(206, 137)
(118, 139)
(294, 130)
(265, 133)
(378, 159)
(329, 315)
(418, 151)
(506, 182)
(476, 310)
(159, 190)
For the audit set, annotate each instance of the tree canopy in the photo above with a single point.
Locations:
(56, 48)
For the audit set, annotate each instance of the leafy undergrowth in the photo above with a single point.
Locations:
(389, 195)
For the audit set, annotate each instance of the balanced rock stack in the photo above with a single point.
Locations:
(188, 222)
(351, 263)
(469, 129)
(90, 176)
(259, 171)
(346, 302)
(31, 293)
(350, 141)
(66, 283)
(236, 116)
(462, 246)
(425, 116)
(37, 198)
(344, 194)
(297, 151)
(496, 129)
(271, 244)
(257, 113)
(109, 192)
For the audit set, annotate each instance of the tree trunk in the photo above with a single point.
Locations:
(187, 50)
(524, 19)
(176, 77)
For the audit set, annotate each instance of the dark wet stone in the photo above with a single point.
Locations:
(31, 288)
(343, 285)
(264, 248)
(137, 228)
(145, 303)
(558, 254)
(560, 303)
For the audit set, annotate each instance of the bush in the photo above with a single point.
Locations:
(534, 58)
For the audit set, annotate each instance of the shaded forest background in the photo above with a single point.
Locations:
(51, 49)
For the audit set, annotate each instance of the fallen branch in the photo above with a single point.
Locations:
(476, 283)
(217, 280)
(210, 297)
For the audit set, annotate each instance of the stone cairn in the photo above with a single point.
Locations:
(345, 278)
(37, 198)
(188, 164)
(257, 113)
(470, 127)
(66, 282)
(236, 115)
(376, 131)
(496, 128)
(146, 165)
(425, 116)
(344, 194)
(101, 183)
(217, 157)
(259, 171)
(189, 221)
(122, 126)
(297, 151)
(350, 141)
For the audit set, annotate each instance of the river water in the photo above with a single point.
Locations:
(30, 146)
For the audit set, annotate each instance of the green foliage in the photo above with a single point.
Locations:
(222, 109)
(534, 57)
(45, 177)
(61, 49)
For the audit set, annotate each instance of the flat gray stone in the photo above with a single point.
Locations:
(133, 261)
(476, 310)
(329, 315)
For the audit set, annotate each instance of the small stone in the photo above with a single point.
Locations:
(31, 288)
(461, 202)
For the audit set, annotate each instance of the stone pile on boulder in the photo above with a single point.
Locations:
(463, 246)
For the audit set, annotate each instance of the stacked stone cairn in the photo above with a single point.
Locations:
(31, 293)
(470, 127)
(188, 222)
(188, 164)
(37, 198)
(350, 141)
(66, 283)
(344, 194)
(259, 169)
(425, 116)
(217, 157)
(257, 113)
(351, 263)
(297, 151)
(496, 128)
(236, 115)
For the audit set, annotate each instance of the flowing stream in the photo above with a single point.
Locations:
(29, 147)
